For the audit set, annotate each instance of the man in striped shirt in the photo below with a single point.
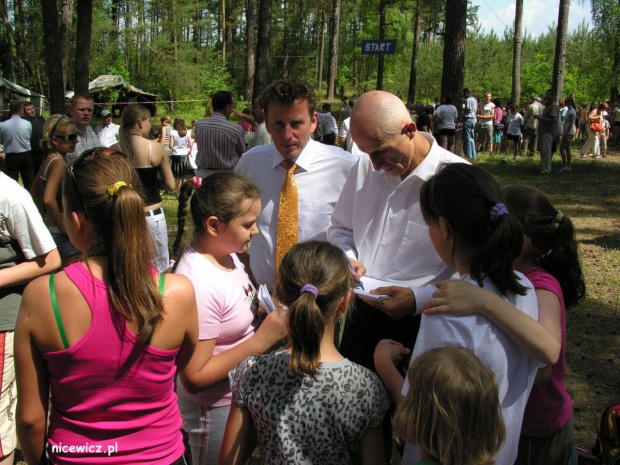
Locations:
(220, 142)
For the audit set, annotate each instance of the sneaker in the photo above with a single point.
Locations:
(564, 168)
(597, 157)
(514, 159)
(567, 168)
(583, 156)
(505, 160)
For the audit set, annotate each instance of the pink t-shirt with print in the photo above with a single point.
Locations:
(227, 304)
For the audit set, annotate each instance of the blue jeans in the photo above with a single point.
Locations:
(469, 138)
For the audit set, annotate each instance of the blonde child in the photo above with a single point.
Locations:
(451, 392)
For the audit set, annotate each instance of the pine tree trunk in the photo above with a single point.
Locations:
(516, 54)
(413, 76)
(53, 59)
(261, 78)
(557, 81)
(382, 10)
(8, 38)
(66, 19)
(250, 63)
(321, 51)
(82, 46)
(333, 49)
(453, 73)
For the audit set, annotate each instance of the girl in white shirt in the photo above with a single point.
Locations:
(514, 121)
(473, 232)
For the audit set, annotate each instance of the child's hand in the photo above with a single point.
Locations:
(389, 352)
(459, 298)
(273, 329)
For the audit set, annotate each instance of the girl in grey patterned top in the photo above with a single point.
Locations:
(306, 403)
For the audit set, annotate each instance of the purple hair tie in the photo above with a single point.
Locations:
(309, 288)
(498, 210)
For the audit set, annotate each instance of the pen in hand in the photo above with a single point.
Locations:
(355, 272)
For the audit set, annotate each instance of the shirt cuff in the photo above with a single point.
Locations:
(422, 295)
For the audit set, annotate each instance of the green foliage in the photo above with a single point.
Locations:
(175, 48)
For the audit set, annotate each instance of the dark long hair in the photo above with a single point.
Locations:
(219, 195)
(552, 241)
(464, 195)
(327, 268)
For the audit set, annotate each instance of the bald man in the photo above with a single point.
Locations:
(378, 222)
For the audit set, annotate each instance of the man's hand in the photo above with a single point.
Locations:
(358, 270)
(400, 304)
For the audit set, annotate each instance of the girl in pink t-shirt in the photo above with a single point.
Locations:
(224, 210)
(551, 262)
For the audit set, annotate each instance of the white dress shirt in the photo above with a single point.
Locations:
(108, 135)
(320, 174)
(514, 369)
(378, 220)
(86, 141)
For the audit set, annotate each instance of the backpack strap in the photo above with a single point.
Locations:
(61, 328)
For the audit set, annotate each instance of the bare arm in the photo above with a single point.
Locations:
(27, 271)
(239, 437)
(372, 448)
(244, 117)
(164, 169)
(205, 369)
(387, 354)
(54, 179)
(32, 383)
(461, 298)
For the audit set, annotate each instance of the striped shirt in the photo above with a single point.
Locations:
(220, 143)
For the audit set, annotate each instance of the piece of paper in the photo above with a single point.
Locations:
(265, 298)
(371, 284)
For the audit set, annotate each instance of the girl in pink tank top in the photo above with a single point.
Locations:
(105, 336)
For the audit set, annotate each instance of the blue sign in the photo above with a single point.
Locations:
(379, 47)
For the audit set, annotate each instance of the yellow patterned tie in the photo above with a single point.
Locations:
(288, 213)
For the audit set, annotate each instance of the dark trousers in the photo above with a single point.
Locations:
(20, 163)
(366, 326)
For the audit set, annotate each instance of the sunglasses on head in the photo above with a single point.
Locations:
(99, 152)
(69, 137)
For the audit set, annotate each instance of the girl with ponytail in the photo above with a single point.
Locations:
(306, 403)
(224, 210)
(106, 334)
(550, 260)
(473, 231)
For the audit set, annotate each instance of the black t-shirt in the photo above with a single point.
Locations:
(424, 120)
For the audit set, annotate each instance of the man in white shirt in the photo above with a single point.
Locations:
(261, 136)
(328, 125)
(107, 131)
(15, 134)
(320, 171)
(378, 221)
(81, 110)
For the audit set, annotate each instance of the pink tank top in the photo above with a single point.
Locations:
(97, 418)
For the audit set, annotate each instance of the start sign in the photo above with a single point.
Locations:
(379, 47)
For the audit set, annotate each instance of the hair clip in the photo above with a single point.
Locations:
(309, 289)
(559, 216)
(498, 210)
(113, 190)
(197, 181)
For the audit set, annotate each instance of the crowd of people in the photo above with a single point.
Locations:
(541, 126)
(127, 353)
